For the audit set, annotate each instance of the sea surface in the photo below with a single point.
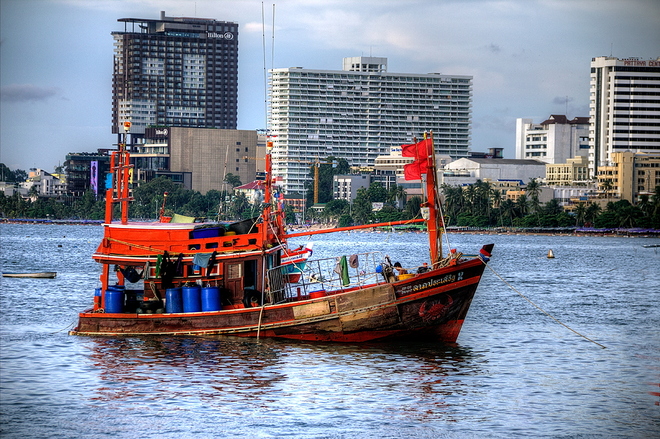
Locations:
(514, 371)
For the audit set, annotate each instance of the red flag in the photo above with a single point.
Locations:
(411, 171)
(409, 150)
(419, 150)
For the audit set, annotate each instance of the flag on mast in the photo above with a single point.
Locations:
(420, 151)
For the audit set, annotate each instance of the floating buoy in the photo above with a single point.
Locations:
(551, 255)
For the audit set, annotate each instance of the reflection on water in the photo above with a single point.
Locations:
(412, 381)
(513, 372)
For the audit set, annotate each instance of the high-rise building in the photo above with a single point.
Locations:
(624, 108)
(175, 72)
(359, 112)
(554, 140)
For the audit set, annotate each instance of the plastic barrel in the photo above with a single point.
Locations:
(114, 299)
(211, 299)
(192, 298)
(173, 300)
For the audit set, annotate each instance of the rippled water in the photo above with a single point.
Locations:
(514, 371)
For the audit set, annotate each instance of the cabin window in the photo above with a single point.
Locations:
(234, 271)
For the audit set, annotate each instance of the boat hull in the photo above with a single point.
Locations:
(428, 306)
(42, 275)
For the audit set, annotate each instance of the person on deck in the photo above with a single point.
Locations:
(399, 269)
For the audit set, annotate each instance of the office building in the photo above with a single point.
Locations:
(199, 158)
(175, 72)
(575, 172)
(624, 108)
(554, 140)
(629, 175)
(359, 112)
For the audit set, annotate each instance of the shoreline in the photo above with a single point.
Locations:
(541, 231)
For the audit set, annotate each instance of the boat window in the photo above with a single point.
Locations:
(234, 271)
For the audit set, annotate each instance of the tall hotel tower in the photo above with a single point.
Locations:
(358, 113)
(175, 72)
(624, 108)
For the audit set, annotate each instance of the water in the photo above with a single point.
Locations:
(513, 372)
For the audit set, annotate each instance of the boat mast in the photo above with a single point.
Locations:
(433, 224)
(120, 167)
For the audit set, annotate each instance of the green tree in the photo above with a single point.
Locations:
(233, 180)
(377, 193)
(362, 210)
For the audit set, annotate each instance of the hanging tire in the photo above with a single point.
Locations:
(252, 297)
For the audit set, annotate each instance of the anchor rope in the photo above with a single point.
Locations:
(538, 307)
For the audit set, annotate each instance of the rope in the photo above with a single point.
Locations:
(539, 308)
(260, 314)
(65, 328)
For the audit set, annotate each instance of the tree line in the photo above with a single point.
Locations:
(480, 205)
(475, 205)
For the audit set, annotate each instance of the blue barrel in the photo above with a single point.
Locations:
(192, 298)
(173, 300)
(211, 299)
(114, 299)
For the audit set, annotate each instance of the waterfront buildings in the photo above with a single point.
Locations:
(175, 71)
(629, 175)
(554, 140)
(624, 108)
(359, 112)
(468, 170)
(575, 172)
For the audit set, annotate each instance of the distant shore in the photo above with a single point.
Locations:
(575, 231)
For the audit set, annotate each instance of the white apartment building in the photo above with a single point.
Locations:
(624, 108)
(359, 112)
(554, 140)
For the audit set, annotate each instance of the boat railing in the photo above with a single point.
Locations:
(324, 275)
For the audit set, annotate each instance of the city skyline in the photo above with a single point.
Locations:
(528, 59)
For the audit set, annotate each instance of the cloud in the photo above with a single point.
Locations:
(26, 93)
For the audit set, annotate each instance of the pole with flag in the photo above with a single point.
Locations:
(424, 164)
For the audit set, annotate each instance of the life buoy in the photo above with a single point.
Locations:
(252, 296)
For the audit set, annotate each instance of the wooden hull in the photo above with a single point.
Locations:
(429, 306)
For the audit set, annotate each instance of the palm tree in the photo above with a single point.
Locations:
(522, 205)
(580, 211)
(508, 209)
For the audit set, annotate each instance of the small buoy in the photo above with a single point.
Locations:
(551, 255)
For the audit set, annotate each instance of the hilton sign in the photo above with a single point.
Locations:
(221, 36)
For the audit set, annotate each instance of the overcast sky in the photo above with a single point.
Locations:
(529, 58)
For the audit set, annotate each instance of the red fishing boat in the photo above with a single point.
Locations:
(241, 279)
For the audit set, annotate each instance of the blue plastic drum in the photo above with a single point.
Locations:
(173, 300)
(211, 299)
(114, 299)
(192, 298)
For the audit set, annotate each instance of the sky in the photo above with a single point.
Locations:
(528, 58)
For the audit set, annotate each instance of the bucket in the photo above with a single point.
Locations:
(114, 299)
(211, 299)
(317, 294)
(192, 298)
(173, 300)
(406, 276)
(97, 298)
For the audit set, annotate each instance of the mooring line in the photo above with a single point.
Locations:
(539, 308)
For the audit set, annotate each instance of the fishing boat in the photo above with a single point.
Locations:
(38, 275)
(241, 279)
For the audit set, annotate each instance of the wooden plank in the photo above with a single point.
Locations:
(375, 319)
(311, 310)
(367, 297)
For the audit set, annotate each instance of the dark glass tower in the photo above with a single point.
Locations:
(175, 72)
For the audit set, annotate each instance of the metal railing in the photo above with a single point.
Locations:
(322, 275)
